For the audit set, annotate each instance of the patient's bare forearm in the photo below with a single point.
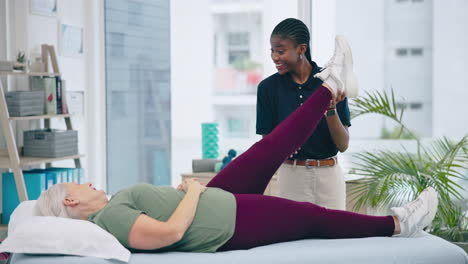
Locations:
(183, 216)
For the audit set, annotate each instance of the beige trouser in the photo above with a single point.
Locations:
(324, 186)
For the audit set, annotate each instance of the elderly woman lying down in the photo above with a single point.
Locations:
(231, 212)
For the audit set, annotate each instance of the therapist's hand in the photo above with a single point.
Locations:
(340, 96)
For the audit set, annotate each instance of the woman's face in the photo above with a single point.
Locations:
(285, 54)
(85, 192)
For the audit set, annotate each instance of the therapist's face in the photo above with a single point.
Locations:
(285, 54)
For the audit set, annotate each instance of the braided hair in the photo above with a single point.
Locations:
(295, 30)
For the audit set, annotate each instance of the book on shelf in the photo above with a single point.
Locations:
(64, 97)
(49, 86)
(58, 97)
(55, 94)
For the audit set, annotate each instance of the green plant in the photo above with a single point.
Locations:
(392, 177)
(395, 133)
(451, 223)
(20, 57)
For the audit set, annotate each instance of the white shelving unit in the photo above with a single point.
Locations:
(10, 158)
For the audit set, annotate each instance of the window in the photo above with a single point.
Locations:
(222, 52)
(238, 67)
(238, 48)
(135, 15)
(138, 92)
(238, 40)
(416, 106)
(401, 52)
(416, 52)
(404, 46)
(116, 44)
(401, 105)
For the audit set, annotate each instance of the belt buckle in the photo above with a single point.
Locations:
(307, 163)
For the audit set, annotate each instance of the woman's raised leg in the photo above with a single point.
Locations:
(251, 172)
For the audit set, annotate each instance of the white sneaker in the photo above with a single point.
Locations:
(417, 214)
(338, 71)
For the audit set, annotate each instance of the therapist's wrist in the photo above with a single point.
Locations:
(330, 112)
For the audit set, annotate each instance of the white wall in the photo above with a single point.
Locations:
(192, 74)
(29, 31)
(450, 62)
(274, 11)
(364, 31)
(95, 100)
(323, 30)
(191, 49)
(3, 22)
(84, 73)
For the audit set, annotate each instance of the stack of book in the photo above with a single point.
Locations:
(50, 143)
(54, 94)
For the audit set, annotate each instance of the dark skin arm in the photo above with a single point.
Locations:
(338, 131)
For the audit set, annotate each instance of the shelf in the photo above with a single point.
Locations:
(28, 161)
(29, 73)
(38, 117)
(14, 161)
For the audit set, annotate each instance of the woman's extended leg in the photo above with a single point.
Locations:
(251, 171)
(263, 220)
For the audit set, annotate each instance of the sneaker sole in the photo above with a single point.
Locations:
(351, 85)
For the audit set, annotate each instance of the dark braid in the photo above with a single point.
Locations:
(295, 30)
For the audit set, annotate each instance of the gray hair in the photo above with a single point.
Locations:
(50, 203)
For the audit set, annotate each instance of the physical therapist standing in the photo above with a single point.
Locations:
(313, 173)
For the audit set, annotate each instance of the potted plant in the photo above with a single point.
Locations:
(391, 178)
(20, 63)
(451, 224)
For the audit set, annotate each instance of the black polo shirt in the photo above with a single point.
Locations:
(278, 96)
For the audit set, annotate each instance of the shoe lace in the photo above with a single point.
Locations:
(333, 61)
(413, 206)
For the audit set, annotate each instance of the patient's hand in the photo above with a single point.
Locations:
(295, 152)
(191, 183)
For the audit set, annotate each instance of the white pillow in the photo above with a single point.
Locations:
(24, 211)
(56, 235)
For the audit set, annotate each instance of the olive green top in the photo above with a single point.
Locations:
(212, 226)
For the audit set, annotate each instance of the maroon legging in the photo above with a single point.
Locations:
(263, 220)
